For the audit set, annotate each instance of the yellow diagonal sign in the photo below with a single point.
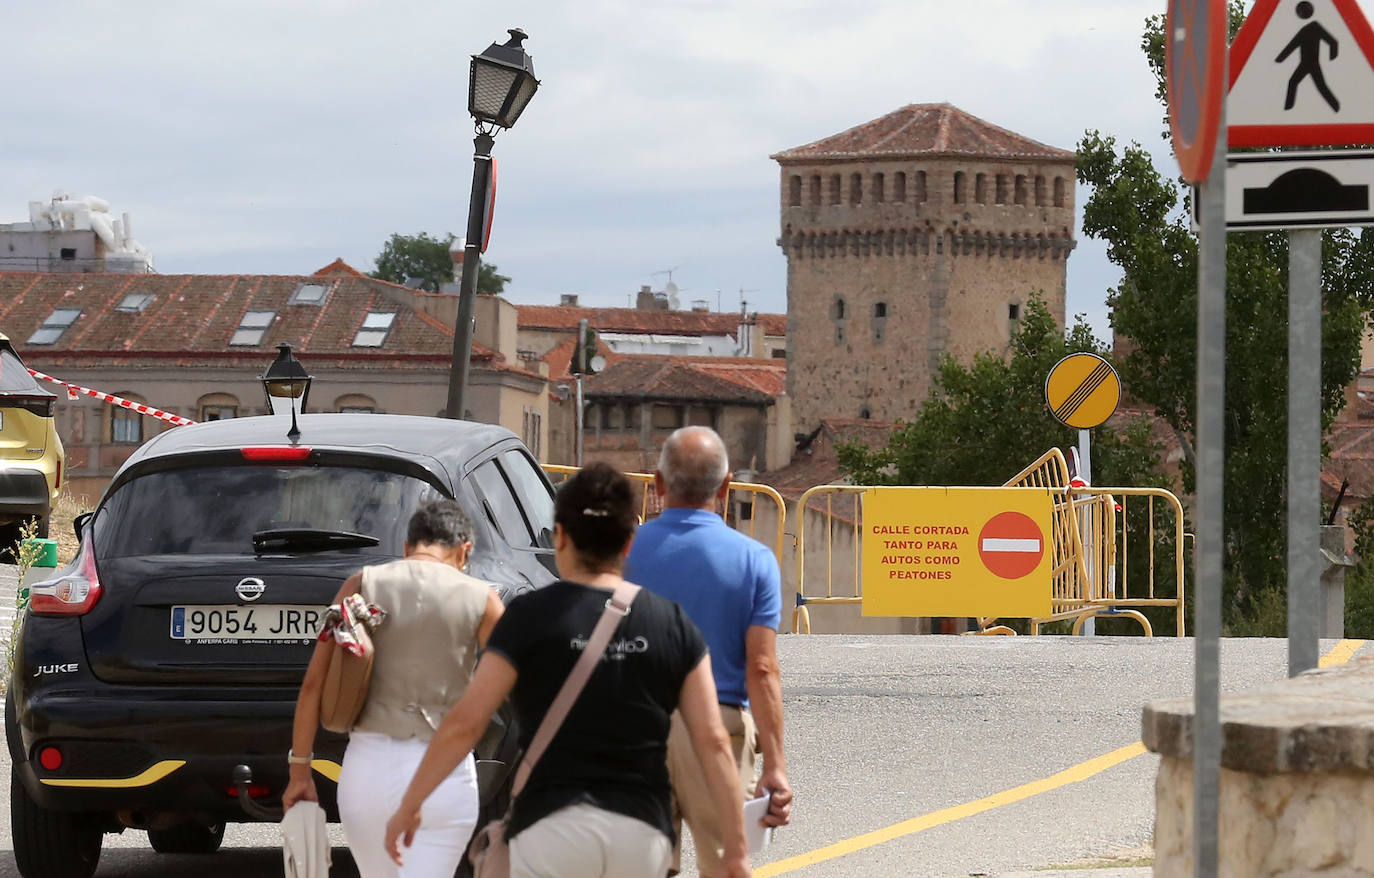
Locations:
(1082, 390)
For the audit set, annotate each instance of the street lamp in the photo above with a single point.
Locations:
(500, 85)
(286, 381)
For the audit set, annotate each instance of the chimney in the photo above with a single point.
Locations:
(568, 300)
(646, 300)
(701, 305)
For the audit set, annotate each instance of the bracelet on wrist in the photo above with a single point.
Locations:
(293, 759)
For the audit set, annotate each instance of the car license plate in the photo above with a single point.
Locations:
(231, 623)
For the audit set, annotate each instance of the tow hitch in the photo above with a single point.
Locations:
(243, 777)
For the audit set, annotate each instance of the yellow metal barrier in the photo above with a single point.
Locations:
(740, 508)
(1091, 567)
(847, 518)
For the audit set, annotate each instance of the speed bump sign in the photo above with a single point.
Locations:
(1082, 391)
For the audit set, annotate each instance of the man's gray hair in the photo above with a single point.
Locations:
(694, 464)
(439, 521)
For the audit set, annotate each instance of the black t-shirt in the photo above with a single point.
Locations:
(611, 751)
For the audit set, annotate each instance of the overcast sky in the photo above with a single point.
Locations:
(271, 136)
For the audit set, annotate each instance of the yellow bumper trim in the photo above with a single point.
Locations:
(328, 768)
(147, 777)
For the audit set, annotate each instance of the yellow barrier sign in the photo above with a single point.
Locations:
(956, 552)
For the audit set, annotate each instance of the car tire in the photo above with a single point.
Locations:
(51, 844)
(191, 838)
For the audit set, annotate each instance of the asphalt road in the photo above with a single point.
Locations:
(883, 729)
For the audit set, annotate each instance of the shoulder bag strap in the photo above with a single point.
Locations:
(617, 608)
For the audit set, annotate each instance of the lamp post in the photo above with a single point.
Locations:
(286, 381)
(500, 85)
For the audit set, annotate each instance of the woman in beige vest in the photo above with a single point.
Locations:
(437, 618)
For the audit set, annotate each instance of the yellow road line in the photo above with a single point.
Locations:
(1339, 654)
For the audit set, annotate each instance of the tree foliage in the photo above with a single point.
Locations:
(1137, 212)
(426, 257)
(986, 421)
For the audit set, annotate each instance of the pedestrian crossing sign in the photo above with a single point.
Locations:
(1302, 74)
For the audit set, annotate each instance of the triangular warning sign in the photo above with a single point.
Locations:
(1302, 74)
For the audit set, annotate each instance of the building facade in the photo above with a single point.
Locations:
(914, 236)
(196, 346)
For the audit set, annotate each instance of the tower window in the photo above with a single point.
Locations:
(980, 189)
(794, 186)
(958, 187)
(1002, 189)
(1020, 188)
(879, 321)
(866, 413)
(837, 309)
(1059, 192)
(834, 188)
(880, 309)
(899, 186)
(878, 194)
(921, 186)
(1013, 311)
(1040, 199)
(856, 188)
(815, 188)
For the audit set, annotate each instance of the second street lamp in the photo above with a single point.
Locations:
(500, 84)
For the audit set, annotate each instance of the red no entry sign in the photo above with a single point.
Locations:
(1011, 545)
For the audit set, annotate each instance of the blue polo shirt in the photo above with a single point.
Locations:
(725, 581)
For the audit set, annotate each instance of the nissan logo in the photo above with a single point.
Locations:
(250, 589)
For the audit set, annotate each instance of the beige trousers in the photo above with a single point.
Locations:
(583, 841)
(692, 802)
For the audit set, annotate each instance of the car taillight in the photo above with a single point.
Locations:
(71, 594)
(288, 453)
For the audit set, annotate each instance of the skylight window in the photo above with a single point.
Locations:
(252, 328)
(373, 332)
(309, 294)
(134, 302)
(55, 325)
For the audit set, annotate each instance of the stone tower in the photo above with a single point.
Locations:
(911, 236)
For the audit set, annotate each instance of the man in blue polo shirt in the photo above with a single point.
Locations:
(730, 586)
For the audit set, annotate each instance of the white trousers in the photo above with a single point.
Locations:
(583, 841)
(376, 771)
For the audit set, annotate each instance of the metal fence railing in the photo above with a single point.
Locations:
(755, 510)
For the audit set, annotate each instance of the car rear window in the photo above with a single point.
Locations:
(216, 510)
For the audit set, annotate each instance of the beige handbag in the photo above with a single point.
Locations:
(489, 853)
(349, 673)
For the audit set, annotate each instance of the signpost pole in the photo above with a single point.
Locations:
(1211, 460)
(1085, 469)
(1304, 446)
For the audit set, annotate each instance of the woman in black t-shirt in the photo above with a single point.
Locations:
(597, 803)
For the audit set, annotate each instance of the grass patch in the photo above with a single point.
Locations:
(60, 525)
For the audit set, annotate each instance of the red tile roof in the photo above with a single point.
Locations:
(922, 131)
(338, 266)
(191, 319)
(704, 379)
(565, 318)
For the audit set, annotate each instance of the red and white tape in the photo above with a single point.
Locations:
(74, 389)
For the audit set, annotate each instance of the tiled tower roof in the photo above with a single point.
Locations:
(924, 130)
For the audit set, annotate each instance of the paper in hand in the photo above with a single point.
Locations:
(756, 834)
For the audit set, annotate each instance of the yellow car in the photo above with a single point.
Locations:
(31, 456)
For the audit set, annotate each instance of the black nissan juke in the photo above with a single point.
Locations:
(156, 675)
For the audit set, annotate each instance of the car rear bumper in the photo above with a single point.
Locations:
(161, 755)
(23, 492)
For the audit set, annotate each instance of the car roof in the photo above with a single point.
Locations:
(451, 442)
(14, 375)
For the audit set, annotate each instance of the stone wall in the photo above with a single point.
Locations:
(884, 279)
(1297, 778)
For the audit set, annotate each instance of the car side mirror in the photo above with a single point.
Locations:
(80, 521)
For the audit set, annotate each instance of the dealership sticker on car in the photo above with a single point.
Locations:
(230, 623)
